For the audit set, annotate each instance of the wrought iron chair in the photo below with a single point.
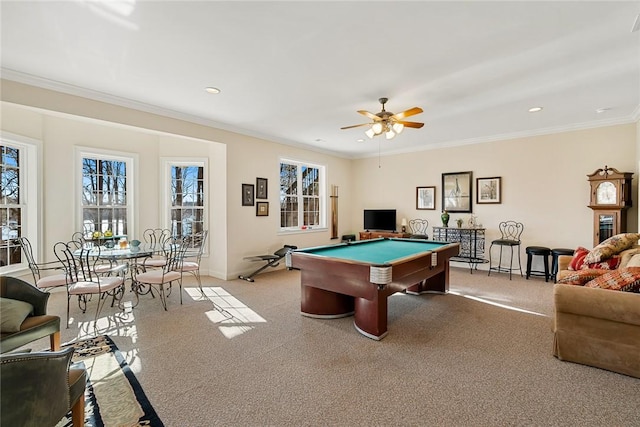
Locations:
(418, 228)
(43, 281)
(195, 245)
(163, 278)
(510, 237)
(158, 239)
(83, 281)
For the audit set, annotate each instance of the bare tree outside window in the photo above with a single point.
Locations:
(300, 186)
(187, 200)
(104, 196)
(10, 205)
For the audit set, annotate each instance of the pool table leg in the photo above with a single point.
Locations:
(438, 283)
(320, 303)
(371, 316)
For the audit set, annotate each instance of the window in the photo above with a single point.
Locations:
(187, 194)
(20, 192)
(106, 195)
(11, 204)
(301, 195)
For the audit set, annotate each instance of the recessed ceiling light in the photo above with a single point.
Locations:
(603, 109)
(319, 140)
(212, 89)
(535, 109)
(359, 140)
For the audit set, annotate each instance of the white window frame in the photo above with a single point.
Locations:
(31, 181)
(322, 170)
(166, 163)
(131, 161)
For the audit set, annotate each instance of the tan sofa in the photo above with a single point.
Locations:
(597, 327)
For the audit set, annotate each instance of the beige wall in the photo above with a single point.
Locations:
(544, 182)
(63, 122)
(543, 178)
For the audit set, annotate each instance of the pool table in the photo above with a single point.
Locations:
(357, 277)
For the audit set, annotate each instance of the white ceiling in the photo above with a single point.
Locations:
(295, 72)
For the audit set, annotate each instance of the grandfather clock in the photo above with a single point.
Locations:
(610, 199)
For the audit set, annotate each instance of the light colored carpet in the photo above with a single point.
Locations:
(479, 356)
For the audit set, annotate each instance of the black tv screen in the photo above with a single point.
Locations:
(380, 219)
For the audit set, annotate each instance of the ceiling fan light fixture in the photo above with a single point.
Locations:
(377, 128)
(398, 128)
(390, 134)
(370, 133)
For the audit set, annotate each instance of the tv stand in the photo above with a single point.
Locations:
(367, 235)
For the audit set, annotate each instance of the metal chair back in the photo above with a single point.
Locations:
(511, 230)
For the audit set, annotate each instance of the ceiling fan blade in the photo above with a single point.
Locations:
(407, 113)
(416, 125)
(355, 126)
(370, 115)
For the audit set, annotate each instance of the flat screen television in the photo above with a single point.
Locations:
(380, 219)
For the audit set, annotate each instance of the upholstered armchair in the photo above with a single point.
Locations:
(38, 389)
(20, 327)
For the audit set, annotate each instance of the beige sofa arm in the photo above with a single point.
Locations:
(616, 306)
(564, 261)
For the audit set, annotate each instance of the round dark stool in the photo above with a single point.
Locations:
(555, 253)
(538, 251)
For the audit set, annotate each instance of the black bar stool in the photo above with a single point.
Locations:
(538, 251)
(555, 253)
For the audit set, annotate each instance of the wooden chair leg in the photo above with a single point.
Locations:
(77, 412)
(54, 339)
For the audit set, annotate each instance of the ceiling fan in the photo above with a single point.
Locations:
(386, 122)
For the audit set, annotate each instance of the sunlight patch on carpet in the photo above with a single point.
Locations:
(508, 307)
(232, 316)
(122, 324)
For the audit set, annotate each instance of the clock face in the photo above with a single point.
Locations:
(606, 193)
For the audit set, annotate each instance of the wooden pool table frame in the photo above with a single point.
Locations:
(334, 287)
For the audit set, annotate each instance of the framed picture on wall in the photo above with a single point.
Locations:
(457, 192)
(247, 195)
(262, 208)
(488, 190)
(261, 188)
(426, 198)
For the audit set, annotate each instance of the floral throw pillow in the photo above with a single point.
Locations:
(577, 262)
(581, 277)
(612, 246)
(623, 279)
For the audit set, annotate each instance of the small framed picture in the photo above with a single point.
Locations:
(247, 195)
(261, 188)
(457, 189)
(425, 198)
(488, 190)
(262, 208)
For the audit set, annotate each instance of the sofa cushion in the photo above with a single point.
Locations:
(580, 277)
(627, 254)
(634, 261)
(577, 262)
(612, 246)
(13, 314)
(623, 279)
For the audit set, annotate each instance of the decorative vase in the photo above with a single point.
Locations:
(445, 218)
(459, 221)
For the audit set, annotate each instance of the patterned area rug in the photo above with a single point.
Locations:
(113, 396)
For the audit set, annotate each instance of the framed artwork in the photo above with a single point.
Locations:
(262, 208)
(426, 198)
(247, 194)
(457, 192)
(261, 188)
(489, 190)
